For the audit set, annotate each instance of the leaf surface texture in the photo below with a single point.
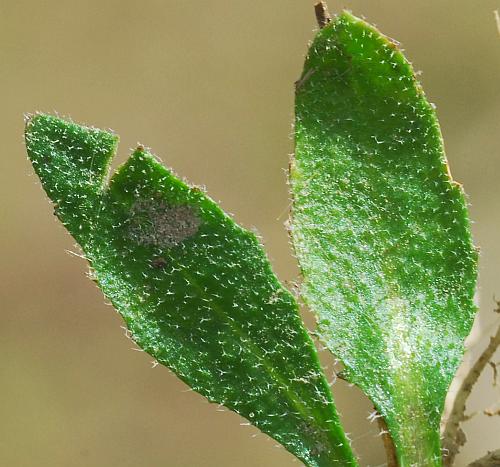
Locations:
(381, 230)
(195, 290)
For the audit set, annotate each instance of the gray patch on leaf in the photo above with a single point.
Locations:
(154, 222)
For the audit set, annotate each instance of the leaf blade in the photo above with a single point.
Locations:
(195, 289)
(381, 231)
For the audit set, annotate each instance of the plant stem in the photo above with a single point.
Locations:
(453, 436)
(492, 459)
(390, 450)
(322, 14)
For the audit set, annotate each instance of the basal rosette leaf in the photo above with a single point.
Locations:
(195, 290)
(381, 230)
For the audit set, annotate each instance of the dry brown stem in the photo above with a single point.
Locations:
(453, 436)
(492, 459)
(390, 450)
(495, 372)
(322, 14)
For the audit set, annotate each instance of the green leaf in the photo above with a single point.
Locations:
(381, 230)
(196, 290)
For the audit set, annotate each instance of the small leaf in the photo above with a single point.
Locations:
(195, 289)
(381, 230)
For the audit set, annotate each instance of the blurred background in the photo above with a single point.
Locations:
(208, 85)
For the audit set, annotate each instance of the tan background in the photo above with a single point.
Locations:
(208, 84)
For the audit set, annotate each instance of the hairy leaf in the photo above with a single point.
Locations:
(381, 230)
(195, 289)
